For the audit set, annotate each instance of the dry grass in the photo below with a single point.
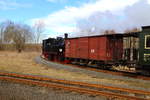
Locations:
(24, 63)
(28, 47)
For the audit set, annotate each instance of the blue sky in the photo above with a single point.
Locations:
(60, 16)
(24, 10)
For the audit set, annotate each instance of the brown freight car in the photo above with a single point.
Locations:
(105, 48)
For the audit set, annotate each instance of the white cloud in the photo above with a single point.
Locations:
(65, 20)
(11, 4)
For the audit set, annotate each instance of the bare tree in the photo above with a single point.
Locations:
(1, 36)
(1, 33)
(2, 28)
(39, 28)
(17, 34)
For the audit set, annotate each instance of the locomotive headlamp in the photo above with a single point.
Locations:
(60, 50)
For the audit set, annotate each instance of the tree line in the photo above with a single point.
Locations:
(20, 34)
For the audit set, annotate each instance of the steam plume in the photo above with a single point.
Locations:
(129, 18)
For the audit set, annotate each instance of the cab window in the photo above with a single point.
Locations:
(147, 42)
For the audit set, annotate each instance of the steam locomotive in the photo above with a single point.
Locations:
(126, 52)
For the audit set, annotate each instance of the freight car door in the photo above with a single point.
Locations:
(93, 48)
(67, 48)
(116, 47)
(82, 50)
(102, 42)
(73, 48)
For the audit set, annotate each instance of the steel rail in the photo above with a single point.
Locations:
(70, 88)
(74, 83)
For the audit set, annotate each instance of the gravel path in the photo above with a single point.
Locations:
(94, 74)
(13, 91)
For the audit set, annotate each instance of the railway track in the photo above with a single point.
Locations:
(92, 89)
(112, 72)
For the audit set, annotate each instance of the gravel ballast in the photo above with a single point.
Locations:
(97, 75)
(14, 91)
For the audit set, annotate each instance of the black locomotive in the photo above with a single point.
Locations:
(53, 49)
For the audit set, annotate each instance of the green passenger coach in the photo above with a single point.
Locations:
(144, 49)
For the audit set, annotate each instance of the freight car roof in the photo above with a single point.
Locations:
(135, 34)
(97, 36)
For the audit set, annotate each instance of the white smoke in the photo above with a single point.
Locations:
(131, 17)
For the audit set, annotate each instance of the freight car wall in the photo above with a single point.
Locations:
(102, 48)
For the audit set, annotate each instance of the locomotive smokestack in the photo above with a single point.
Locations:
(66, 35)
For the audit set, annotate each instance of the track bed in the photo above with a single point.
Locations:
(15, 91)
(116, 80)
(80, 87)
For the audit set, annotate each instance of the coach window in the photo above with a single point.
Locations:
(147, 41)
(147, 57)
